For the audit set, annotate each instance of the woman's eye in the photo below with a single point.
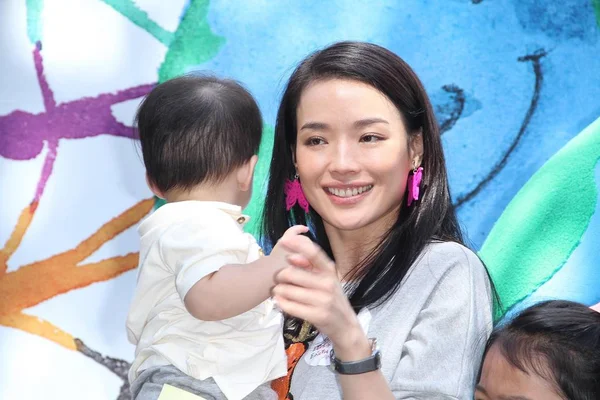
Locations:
(370, 138)
(314, 141)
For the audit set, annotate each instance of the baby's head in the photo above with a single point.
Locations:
(200, 137)
(550, 351)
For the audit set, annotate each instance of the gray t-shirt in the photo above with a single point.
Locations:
(431, 332)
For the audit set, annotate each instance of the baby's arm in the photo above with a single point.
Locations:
(237, 288)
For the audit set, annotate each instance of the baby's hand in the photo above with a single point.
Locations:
(279, 252)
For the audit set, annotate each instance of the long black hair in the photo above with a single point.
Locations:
(432, 218)
(559, 341)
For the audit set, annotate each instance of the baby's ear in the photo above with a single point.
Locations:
(245, 174)
(157, 192)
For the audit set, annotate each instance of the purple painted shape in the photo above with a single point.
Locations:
(47, 94)
(46, 170)
(22, 134)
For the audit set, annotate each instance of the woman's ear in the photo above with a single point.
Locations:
(245, 174)
(415, 148)
(157, 192)
(293, 151)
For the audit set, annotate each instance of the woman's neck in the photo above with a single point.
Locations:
(351, 247)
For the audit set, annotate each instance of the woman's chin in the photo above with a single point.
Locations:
(347, 222)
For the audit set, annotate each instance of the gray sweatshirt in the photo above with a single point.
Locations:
(431, 332)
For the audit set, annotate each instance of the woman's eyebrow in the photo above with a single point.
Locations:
(316, 126)
(369, 121)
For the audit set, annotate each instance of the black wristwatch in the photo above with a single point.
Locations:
(369, 364)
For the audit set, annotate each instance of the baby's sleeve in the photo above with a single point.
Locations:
(193, 251)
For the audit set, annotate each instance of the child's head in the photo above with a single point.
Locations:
(550, 351)
(199, 137)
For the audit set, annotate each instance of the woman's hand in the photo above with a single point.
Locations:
(310, 289)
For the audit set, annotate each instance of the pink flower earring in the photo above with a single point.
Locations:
(414, 184)
(294, 194)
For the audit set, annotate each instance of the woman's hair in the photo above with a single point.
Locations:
(431, 218)
(560, 342)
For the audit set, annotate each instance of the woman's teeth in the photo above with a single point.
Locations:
(349, 192)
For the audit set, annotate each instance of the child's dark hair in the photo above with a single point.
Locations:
(195, 129)
(560, 342)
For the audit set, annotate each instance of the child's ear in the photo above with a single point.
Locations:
(246, 173)
(157, 192)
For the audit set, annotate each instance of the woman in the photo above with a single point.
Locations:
(550, 351)
(354, 129)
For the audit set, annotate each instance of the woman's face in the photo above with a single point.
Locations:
(502, 381)
(353, 154)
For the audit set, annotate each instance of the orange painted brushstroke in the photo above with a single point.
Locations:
(39, 327)
(38, 282)
(13, 242)
(108, 231)
(42, 280)
(281, 386)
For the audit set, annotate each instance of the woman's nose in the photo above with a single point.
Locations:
(344, 159)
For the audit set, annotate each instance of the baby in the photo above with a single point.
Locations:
(551, 351)
(201, 317)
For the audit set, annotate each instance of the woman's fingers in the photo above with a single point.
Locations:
(296, 276)
(307, 279)
(299, 310)
(311, 251)
(293, 308)
(299, 294)
(298, 260)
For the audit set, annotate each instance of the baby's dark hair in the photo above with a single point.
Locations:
(195, 129)
(560, 342)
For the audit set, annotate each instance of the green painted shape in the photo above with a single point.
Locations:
(194, 42)
(259, 185)
(158, 202)
(132, 12)
(596, 5)
(34, 20)
(544, 223)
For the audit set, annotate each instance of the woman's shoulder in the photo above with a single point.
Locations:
(451, 271)
(439, 258)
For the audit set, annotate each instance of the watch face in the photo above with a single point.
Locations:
(332, 361)
(378, 359)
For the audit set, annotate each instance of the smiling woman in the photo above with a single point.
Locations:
(352, 145)
(401, 307)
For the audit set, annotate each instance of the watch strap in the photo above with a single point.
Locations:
(369, 364)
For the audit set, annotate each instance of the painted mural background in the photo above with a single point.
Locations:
(515, 84)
